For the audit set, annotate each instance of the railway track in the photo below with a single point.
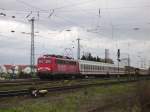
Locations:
(12, 84)
(35, 92)
(25, 82)
(18, 80)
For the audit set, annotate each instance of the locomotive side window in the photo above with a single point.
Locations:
(72, 63)
(59, 61)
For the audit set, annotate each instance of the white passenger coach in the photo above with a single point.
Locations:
(99, 68)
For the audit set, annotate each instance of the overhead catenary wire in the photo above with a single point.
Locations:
(80, 10)
(28, 5)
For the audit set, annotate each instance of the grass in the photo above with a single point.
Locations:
(71, 101)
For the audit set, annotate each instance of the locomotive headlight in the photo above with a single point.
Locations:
(48, 68)
(44, 69)
(39, 69)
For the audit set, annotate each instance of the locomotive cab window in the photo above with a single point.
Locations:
(40, 61)
(47, 61)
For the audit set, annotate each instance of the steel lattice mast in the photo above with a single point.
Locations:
(32, 56)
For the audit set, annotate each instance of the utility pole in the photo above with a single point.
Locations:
(32, 56)
(78, 50)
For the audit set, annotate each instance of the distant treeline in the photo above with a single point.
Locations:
(89, 57)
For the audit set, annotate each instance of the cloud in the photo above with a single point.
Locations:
(119, 23)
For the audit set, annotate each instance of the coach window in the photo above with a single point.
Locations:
(89, 67)
(98, 68)
(110, 68)
(85, 67)
(82, 67)
(107, 68)
(103, 68)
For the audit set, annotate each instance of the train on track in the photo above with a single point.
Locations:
(49, 66)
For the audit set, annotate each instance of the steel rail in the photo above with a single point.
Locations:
(61, 88)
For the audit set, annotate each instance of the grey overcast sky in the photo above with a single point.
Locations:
(100, 24)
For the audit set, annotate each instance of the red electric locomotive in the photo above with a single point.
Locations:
(56, 66)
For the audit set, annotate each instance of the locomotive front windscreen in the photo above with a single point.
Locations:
(44, 60)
